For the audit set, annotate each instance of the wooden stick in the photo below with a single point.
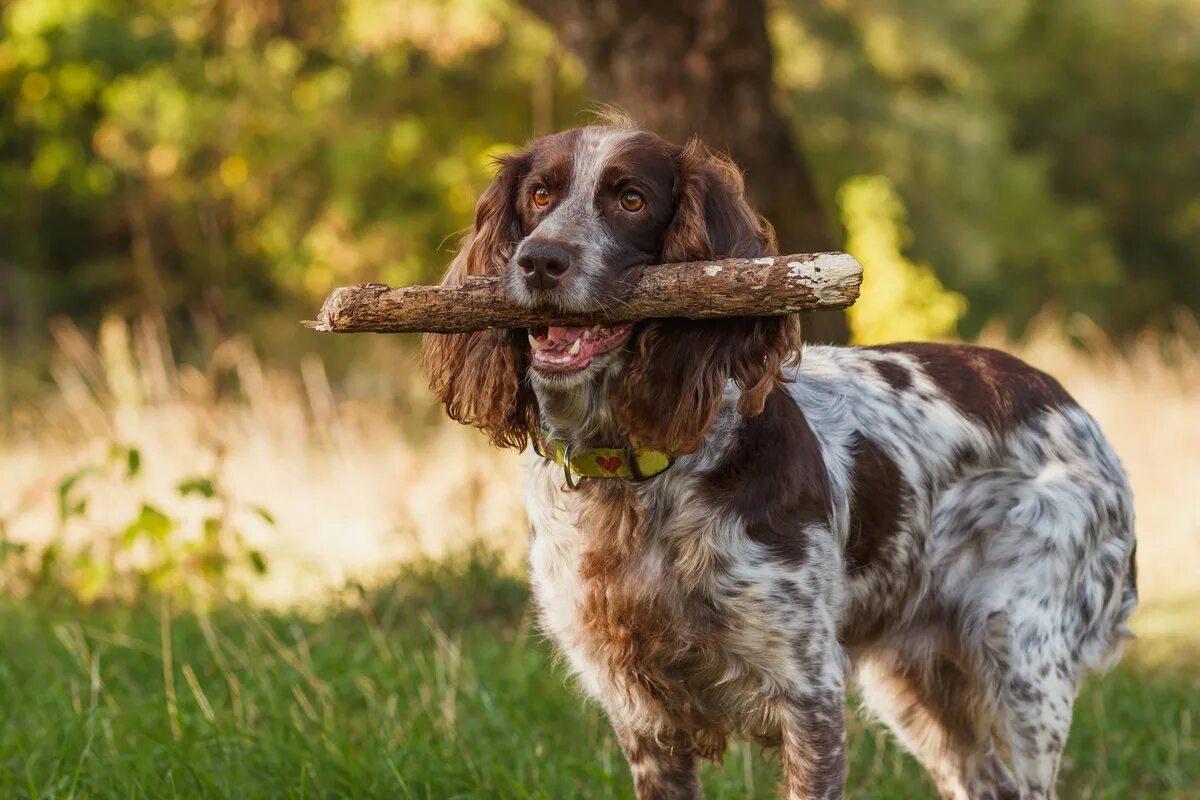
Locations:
(735, 287)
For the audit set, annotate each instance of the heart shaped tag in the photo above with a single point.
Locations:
(609, 464)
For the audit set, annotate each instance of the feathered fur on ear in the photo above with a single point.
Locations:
(671, 391)
(480, 377)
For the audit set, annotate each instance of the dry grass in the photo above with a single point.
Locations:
(354, 486)
(357, 484)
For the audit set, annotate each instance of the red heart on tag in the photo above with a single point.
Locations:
(609, 463)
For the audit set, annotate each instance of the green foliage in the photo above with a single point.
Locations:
(434, 686)
(193, 555)
(228, 162)
(230, 158)
(1045, 151)
(900, 300)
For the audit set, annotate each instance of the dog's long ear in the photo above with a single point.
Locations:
(672, 389)
(712, 217)
(480, 377)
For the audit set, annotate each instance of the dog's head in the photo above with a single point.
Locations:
(569, 222)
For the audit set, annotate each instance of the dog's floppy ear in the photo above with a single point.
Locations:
(712, 217)
(672, 389)
(480, 376)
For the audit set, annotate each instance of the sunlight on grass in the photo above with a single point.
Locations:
(359, 480)
(352, 486)
(433, 685)
(339, 678)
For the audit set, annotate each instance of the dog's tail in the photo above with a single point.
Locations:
(1129, 598)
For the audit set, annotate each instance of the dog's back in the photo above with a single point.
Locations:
(988, 534)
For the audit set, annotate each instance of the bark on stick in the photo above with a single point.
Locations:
(736, 287)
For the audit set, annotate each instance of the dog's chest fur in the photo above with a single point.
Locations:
(661, 603)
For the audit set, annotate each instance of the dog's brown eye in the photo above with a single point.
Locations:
(541, 196)
(632, 202)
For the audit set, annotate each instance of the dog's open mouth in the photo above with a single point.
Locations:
(563, 350)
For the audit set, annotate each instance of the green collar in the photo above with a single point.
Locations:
(603, 462)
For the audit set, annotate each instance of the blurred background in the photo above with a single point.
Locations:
(182, 181)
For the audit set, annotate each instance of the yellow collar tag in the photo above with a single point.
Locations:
(605, 462)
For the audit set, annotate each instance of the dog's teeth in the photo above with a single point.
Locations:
(533, 342)
(575, 347)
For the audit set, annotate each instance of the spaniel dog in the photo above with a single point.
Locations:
(726, 525)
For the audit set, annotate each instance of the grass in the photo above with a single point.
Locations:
(435, 686)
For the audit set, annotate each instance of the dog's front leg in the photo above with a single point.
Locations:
(814, 744)
(663, 767)
(812, 715)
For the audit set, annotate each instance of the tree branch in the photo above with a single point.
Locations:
(737, 287)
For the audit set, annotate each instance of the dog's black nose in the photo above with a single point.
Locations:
(543, 264)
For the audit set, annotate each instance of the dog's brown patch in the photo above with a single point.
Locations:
(875, 505)
(642, 635)
(774, 477)
(993, 387)
(895, 375)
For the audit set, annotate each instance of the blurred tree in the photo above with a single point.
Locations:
(706, 69)
(1045, 151)
(900, 299)
(227, 162)
(1105, 97)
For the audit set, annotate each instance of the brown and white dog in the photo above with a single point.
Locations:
(941, 522)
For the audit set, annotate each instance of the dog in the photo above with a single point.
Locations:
(727, 527)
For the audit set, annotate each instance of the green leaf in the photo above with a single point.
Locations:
(258, 562)
(212, 531)
(133, 462)
(48, 561)
(267, 516)
(9, 548)
(197, 485)
(213, 565)
(67, 508)
(150, 522)
(92, 576)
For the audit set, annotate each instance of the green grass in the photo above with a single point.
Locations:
(437, 687)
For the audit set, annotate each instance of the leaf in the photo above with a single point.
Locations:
(213, 565)
(212, 531)
(133, 462)
(267, 516)
(150, 522)
(198, 485)
(66, 508)
(92, 576)
(9, 548)
(258, 562)
(48, 561)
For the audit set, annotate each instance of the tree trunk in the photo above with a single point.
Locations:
(705, 68)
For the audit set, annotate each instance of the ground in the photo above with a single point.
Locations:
(436, 686)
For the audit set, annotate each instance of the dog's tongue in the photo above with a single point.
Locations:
(559, 337)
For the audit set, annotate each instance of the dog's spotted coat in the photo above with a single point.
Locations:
(942, 523)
